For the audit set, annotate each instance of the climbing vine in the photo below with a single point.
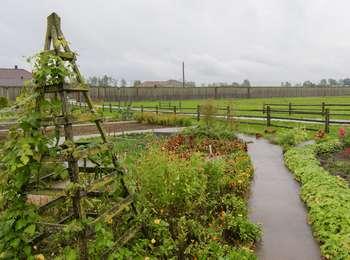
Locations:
(22, 156)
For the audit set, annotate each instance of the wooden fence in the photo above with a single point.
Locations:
(177, 93)
(268, 115)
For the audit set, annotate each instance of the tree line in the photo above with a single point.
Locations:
(108, 81)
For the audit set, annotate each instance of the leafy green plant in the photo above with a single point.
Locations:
(327, 198)
(208, 111)
(166, 120)
(21, 159)
(3, 102)
(292, 137)
(191, 207)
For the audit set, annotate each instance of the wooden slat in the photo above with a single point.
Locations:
(114, 211)
(52, 203)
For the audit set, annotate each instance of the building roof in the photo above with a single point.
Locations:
(14, 77)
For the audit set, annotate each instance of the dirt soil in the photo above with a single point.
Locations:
(110, 127)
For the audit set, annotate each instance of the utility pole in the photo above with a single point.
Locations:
(183, 74)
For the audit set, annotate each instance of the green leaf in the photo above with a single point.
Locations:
(30, 230)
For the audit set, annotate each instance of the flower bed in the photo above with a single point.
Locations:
(192, 207)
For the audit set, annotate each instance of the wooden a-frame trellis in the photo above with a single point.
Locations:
(55, 43)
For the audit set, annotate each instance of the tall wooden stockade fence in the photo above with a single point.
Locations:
(114, 94)
(308, 113)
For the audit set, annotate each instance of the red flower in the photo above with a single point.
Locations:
(342, 132)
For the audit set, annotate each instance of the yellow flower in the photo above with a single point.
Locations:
(39, 257)
(153, 241)
(157, 221)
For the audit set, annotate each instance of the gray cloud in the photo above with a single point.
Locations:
(226, 40)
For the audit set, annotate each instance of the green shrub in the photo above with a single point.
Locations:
(215, 130)
(4, 102)
(292, 137)
(327, 198)
(166, 120)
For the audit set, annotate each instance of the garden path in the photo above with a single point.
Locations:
(275, 204)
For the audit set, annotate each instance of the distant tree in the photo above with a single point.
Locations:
(323, 82)
(92, 81)
(235, 84)
(287, 84)
(308, 83)
(123, 82)
(104, 81)
(346, 81)
(137, 83)
(340, 82)
(246, 83)
(332, 82)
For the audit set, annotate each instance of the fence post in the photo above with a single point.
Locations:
(179, 105)
(119, 104)
(290, 108)
(198, 112)
(323, 107)
(268, 116)
(141, 110)
(326, 121)
(157, 110)
(263, 110)
(103, 107)
(175, 110)
(228, 112)
(110, 107)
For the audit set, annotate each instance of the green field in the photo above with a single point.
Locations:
(237, 106)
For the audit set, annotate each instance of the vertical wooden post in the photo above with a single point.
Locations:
(175, 110)
(264, 106)
(73, 171)
(103, 107)
(142, 110)
(160, 104)
(198, 112)
(110, 107)
(326, 121)
(228, 112)
(119, 104)
(157, 110)
(268, 116)
(180, 105)
(290, 108)
(323, 107)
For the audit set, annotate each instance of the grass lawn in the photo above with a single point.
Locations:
(247, 104)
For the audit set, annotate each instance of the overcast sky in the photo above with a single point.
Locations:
(266, 41)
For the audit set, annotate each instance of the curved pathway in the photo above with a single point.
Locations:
(275, 204)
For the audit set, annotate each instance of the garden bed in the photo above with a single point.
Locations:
(192, 193)
(337, 163)
(327, 198)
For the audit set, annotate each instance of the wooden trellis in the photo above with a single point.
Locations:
(75, 152)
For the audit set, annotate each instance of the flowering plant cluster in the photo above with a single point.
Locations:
(344, 136)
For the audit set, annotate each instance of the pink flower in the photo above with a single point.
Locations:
(342, 132)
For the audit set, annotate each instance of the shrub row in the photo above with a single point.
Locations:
(166, 120)
(327, 198)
